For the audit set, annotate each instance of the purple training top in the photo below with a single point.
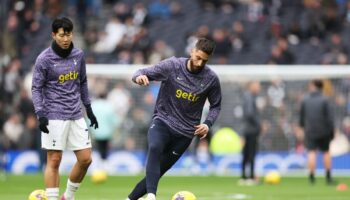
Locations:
(182, 94)
(59, 84)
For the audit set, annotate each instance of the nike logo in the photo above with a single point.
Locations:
(175, 153)
(152, 125)
(178, 78)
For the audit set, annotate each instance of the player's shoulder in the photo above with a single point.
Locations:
(77, 52)
(210, 72)
(173, 62)
(45, 55)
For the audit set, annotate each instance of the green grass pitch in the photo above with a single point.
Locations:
(204, 187)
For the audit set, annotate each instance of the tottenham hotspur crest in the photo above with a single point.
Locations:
(75, 62)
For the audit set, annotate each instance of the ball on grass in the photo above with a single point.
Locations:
(272, 178)
(99, 176)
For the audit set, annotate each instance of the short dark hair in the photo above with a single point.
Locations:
(64, 23)
(318, 84)
(205, 45)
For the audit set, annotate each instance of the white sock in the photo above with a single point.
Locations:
(52, 193)
(71, 189)
(151, 196)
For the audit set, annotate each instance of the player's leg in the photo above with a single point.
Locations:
(78, 172)
(311, 163)
(176, 149)
(102, 147)
(53, 142)
(327, 159)
(253, 147)
(167, 161)
(51, 174)
(245, 154)
(80, 142)
(158, 138)
(311, 158)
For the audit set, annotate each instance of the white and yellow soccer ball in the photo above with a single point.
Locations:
(184, 195)
(273, 178)
(99, 176)
(37, 195)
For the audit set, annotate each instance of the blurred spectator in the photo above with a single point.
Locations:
(108, 40)
(287, 55)
(140, 14)
(108, 122)
(30, 134)
(294, 33)
(13, 130)
(317, 120)
(276, 93)
(312, 20)
(255, 10)
(276, 56)
(223, 46)
(251, 132)
(122, 11)
(142, 42)
(159, 9)
(12, 80)
(25, 105)
(335, 51)
(345, 127)
(160, 51)
(238, 37)
(120, 98)
(331, 20)
(10, 36)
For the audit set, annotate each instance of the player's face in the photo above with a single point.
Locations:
(63, 39)
(198, 60)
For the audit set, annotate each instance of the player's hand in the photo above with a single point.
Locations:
(201, 130)
(142, 80)
(91, 116)
(43, 122)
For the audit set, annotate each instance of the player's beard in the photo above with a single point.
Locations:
(193, 68)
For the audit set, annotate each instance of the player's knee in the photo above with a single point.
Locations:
(54, 162)
(85, 162)
(154, 149)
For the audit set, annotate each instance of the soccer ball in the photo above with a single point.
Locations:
(98, 176)
(37, 195)
(273, 178)
(184, 195)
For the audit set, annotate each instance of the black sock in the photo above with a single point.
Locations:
(328, 175)
(312, 177)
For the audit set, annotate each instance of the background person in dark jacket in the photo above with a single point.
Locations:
(251, 132)
(316, 118)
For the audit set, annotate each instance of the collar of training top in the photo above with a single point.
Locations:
(64, 53)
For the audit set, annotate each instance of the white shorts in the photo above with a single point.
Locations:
(66, 135)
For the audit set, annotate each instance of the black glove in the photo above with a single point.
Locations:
(43, 122)
(91, 116)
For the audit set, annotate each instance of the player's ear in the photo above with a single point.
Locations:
(53, 35)
(192, 51)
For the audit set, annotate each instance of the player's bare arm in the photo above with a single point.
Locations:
(142, 80)
(201, 130)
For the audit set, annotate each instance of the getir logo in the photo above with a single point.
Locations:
(186, 95)
(72, 75)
